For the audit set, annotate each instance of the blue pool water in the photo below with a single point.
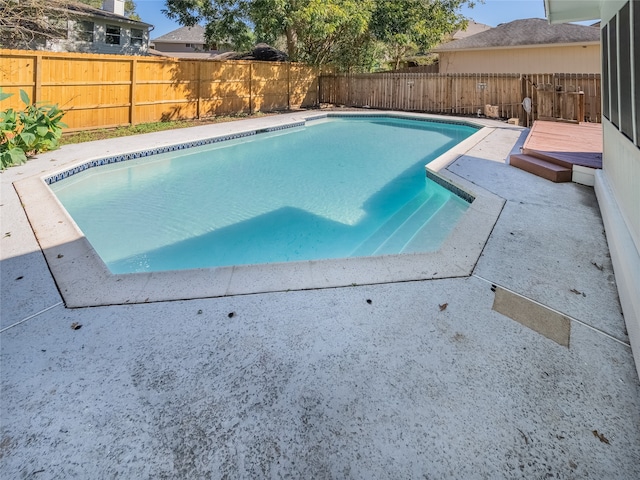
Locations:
(335, 188)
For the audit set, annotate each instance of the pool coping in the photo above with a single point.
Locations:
(84, 280)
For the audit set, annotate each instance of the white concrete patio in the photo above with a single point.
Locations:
(415, 379)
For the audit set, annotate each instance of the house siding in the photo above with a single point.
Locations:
(99, 44)
(618, 186)
(621, 156)
(546, 59)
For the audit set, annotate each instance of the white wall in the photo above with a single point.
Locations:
(618, 190)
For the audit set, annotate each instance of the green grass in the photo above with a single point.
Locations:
(105, 133)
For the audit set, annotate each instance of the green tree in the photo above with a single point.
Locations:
(410, 26)
(314, 30)
(226, 21)
(322, 30)
(347, 33)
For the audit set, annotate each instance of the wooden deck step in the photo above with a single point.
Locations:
(542, 168)
(551, 157)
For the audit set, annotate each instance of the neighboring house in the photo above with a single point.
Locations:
(473, 27)
(617, 185)
(186, 40)
(524, 46)
(106, 30)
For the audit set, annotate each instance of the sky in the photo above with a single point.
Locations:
(492, 12)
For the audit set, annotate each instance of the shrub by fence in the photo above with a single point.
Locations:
(101, 91)
(553, 95)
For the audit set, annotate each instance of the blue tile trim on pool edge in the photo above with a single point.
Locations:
(197, 143)
(466, 196)
(402, 117)
(145, 153)
(284, 127)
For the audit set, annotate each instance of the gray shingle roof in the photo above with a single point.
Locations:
(530, 31)
(193, 34)
(83, 9)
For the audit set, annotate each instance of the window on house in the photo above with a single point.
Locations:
(113, 35)
(613, 71)
(85, 31)
(624, 37)
(605, 72)
(189, 45)
(136, 37)
(636, 64)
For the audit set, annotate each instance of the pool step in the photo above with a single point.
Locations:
(431, 235)
(398, 240)
(378, 237)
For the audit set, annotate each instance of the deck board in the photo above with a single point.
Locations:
(579, 144)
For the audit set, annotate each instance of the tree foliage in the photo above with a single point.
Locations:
(352, 34)
(409, 26)
(23, 22)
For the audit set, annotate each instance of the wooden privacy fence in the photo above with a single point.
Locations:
(552, 95)
(102, 91)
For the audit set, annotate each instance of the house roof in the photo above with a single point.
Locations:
(473, 27)
(530, 31)
(185, 55)
(193, 34)
(86, 10)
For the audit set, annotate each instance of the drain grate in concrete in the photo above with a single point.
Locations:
(537, 317)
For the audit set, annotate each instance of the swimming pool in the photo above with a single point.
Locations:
(332, 188)
(83, 279)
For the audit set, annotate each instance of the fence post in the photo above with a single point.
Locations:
(522, 114)
(132, 92)
(37, 88)
(580, 109)
(288, 85)
(250, 88)
(198, 88)
(318, 85)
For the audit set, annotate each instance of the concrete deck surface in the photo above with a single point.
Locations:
(424, 381)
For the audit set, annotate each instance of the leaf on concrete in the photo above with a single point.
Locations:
(600, 437)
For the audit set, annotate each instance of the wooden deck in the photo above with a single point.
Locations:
(565, 143)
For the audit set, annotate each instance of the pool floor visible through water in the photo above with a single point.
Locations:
(335, 188)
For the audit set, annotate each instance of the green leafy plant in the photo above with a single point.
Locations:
(37, 128)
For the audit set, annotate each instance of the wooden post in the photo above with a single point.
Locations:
(580, 107)
(132, 92)
(250, 88)
(37, 89)
(522, 114)
(288, 85)
(198, 89)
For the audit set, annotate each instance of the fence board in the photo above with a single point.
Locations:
(552, 95)
(111, 90)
